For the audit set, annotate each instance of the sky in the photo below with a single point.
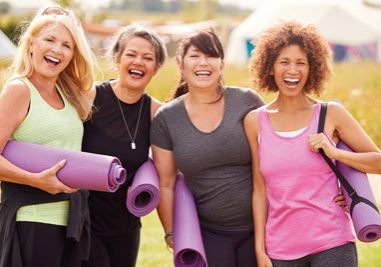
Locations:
(33, 3)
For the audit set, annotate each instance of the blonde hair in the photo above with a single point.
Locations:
(78, 76)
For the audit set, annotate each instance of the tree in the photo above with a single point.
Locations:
(4, 7)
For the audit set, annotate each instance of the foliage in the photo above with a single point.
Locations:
(4, 7)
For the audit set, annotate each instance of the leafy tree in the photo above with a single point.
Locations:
(4, 7)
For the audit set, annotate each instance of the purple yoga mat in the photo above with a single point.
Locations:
(143, 196)
(187, 241)
(366, 220)
(82, 170)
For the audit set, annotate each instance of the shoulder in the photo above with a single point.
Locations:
(17, 90)
(244, 94)
(155, 105)
(172, 106)
(335, 109)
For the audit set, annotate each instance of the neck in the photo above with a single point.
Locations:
(205, 97)
(42, 83)
(125, 94)
(291, 104)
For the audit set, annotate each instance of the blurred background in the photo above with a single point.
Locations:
(352, 28)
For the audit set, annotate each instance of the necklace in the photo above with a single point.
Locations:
(132, 138)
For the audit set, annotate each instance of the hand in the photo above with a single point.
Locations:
(320, 141)
(47, 180)
(340, 200)
(263, 260)
(169, 239)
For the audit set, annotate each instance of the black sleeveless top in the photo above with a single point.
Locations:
(105, 133)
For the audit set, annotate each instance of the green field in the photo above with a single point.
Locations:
(357, 85)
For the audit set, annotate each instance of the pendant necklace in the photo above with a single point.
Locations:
(132, 138)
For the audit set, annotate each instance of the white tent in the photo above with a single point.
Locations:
(7, 48)
(348, 24)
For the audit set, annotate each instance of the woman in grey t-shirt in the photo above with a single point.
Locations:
(200, 133)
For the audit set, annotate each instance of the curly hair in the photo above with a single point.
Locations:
(269, 45)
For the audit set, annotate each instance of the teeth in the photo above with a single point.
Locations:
(53, 59)
(203, 73)
(137, 72)
(291, 80)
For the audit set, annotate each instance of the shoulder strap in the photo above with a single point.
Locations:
(347, 186)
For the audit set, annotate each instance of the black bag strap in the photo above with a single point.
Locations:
(347, 186)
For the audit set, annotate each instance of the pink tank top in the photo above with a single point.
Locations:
(302, 218)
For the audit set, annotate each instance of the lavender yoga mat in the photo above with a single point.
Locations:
(143, 196)
(187, 241)
(366, 220)
(82, 170)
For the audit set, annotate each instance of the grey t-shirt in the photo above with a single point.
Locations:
(216, 165)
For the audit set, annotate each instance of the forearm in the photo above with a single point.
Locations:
(165, 209)
(260, 217)
(14, 174)
(368, 162)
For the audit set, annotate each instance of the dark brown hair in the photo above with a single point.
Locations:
(207, 41)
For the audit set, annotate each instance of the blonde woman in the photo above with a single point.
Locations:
(44, 222)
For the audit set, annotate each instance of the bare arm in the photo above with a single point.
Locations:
(14, 103)
(366, 156)
(259, 199)
(165, 166)
(155, 104)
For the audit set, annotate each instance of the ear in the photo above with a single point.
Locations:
(31, 46)
(222, 66)
(180, 65)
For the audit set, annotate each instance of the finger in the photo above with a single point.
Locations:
(67, 189)
(58, 165)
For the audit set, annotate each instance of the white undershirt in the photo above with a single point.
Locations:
(291, 133)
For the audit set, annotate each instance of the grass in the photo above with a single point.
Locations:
(357, 85)
(153, 252)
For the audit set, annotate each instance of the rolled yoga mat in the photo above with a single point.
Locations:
(366, 220)
(187, 241)
(82, 170)
(143, 195)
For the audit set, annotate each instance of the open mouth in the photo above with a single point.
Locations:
(136, 73)
(52, 60)
(291, 81)
(203, 73)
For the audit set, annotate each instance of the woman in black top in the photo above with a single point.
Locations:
(119, 127)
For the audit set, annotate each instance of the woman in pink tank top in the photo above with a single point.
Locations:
(297, 222)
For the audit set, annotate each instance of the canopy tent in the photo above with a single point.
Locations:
(7, 48)
(349, 26)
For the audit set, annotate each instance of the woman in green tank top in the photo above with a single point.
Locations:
(42, 102)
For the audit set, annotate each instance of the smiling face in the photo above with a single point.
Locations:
(201, 70)
(137, 63)
(290, 70)
(52, 50)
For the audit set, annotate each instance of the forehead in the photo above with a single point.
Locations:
(140, 44)
(55, 29)
(293, 50)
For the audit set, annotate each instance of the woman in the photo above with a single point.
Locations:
(296, 220)
(120, 127)
(200, 133)
(44, 222)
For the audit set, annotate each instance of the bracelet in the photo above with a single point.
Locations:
(168, 236)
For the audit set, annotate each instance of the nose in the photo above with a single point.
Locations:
(203, 60)
(56, 49)
(293, 68)
(138, 60)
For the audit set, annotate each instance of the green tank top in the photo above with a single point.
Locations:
(46, 125)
